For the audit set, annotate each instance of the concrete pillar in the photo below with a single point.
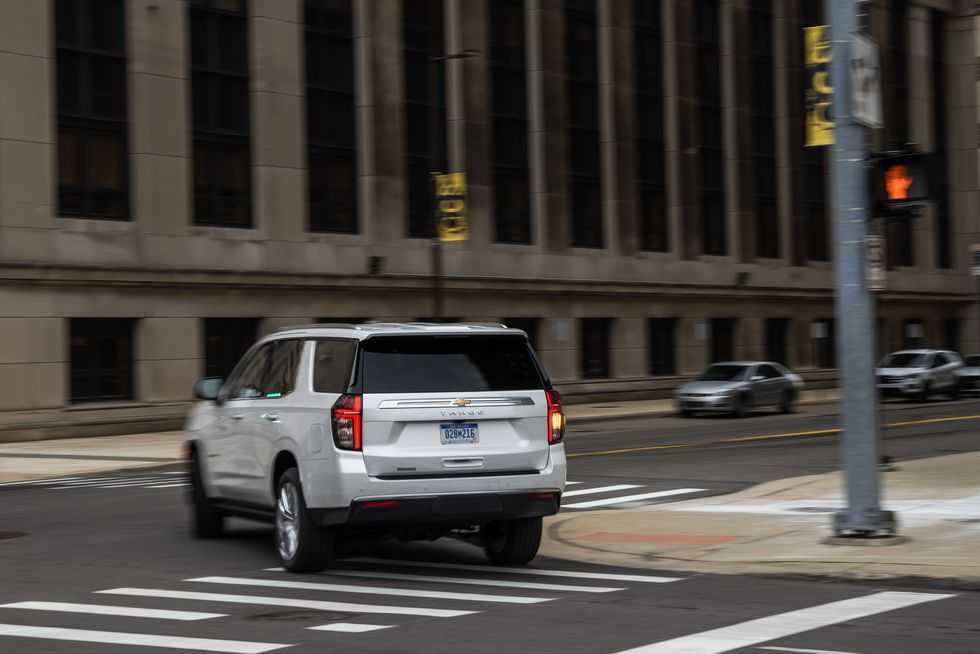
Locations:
(921, 124)
(750, 339)
(28, 155)
(692, 344)
(734, 22)
(169, 358)
(551, 78)
(686, 125)
(783, 126)
(33, 363)
(621, 179)
(364, 118)
(558, 348)
(629, 354)
(470, 133)
(607, 30)
(278, 125)
(673, 157)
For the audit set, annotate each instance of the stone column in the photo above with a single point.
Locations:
(686, 124)
(692, 343)
(920, 124)
(607, 27)
(558, 348)
(469, 115)
(739, 161)
(784, 171)
(160, 121)
(750, 340)
(169, 358)
(629, 354)
(33, 361)
(623, 122)
(364, 103)
(278, 119)
(734, 24)
(550, 42)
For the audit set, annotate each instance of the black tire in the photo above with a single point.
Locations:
(924, 394)
(741, 405)
(206, 520)
(513, 542)
(788, 403)
(685, 413)
(313, 546)
(955, 391)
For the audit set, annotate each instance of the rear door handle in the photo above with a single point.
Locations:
(271, 417)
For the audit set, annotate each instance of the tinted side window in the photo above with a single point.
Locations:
(283, 366)
(436, 364)
(249, 376)
(939, 360)
(769, 372)
(332, 365)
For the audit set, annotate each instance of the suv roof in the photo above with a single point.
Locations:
(367, 330)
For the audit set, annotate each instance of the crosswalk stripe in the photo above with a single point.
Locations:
(144, 640)
(608, 576)
(795, 650)
(102, 609)
(632, 498)
(753, 632)
(371, 590)
(37, 482)
(259, 600)
(84, 481)
(350, 628)
(572, 483)
(177, 485)
(530, 585)
(601, 489)
(112, 484)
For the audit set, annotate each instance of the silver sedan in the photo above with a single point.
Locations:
(738, 387)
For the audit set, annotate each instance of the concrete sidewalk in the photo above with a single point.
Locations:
(779, 528)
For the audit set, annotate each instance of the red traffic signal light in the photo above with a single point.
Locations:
(902, 180)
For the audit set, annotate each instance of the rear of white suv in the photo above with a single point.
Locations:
(415, 431)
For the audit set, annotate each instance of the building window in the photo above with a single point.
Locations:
(762, 108)
(951, 334)
(777, 341)
(425, 152)
(225, 341)
(582, 129)
(944, 251)
(711, 178)
(721, 339)
(914, 334)
(330, 116)
(810, 178)
(648, 103)
(93, 151)
(509, 122)
(824, 343)
(220, 113)
(595, 347)
(101, 359)
(663, 358)
(530, 326)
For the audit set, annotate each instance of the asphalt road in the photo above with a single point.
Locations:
(63, 545)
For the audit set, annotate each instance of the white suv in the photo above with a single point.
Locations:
(413, 430)
(920, 373)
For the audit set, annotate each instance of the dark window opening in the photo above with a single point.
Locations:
(913, 334)
(951, 334)
(582, 127)
(721, 339)
(330, 116)
(101, 359)
(711, 179)
(425, 151)
(93, 110)
(777, 340)
(332, 364)
(762, 110)
(594, 347)
(220, 113)
(944, 238)
(650, 143)
(824, 343)
(529, 326)
(226, 340)
(662, 339)
(509, 122)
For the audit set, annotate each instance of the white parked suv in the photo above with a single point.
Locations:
(920, 374)
(413, 430)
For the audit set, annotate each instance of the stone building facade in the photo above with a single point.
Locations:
(177, 177)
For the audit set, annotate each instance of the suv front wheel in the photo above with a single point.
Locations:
(513, 542)
(302, 545)
(206, 520)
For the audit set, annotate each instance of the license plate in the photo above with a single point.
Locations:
(460, 432)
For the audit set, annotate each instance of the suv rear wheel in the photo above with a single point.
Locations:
(301, 544)
(513, 542)
(206, 521)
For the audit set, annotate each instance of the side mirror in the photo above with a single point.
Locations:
(208, 388)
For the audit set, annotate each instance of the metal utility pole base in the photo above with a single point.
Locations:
(872, 524)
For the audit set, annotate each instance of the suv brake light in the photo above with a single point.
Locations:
(346, 422)
(556, 418)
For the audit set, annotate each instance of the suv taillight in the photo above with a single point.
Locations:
(346, 421)
(556, 419)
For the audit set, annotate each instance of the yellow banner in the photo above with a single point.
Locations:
(451, 196)
(819, 92)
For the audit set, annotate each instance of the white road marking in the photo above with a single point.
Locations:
(37, 482)
(608, 576)
(530, 585)
(259, 600)
(371, 590)
(753, 632)
(102, 609)
(350, 628)
(603, 489)
(142, 640)
(803, 651)
(633, 498)
(113, 484)
(177, 485)
(572, 483)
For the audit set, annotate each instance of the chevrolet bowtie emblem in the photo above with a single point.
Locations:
(461, 402)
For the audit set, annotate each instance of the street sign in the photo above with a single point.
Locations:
(819, 92)
(451, 196)
(975, 260)
(865, 82)
(875, 275)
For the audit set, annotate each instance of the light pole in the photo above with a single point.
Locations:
(438, 165)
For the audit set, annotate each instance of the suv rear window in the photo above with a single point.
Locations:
(444, 364)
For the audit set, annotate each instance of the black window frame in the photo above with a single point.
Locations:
(763, 175)
(423, 37)
(90, 377)
(662, 346)
(331, 117)
(777, 347)
(722, 341)
(649, 142)
(602, 342)
(825, 348)
(582, 125)
(510, 167)
(952, 334)
(92, 103)
(221, 115)
(711, 191)
(219, 353)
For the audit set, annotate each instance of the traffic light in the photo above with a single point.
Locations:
(902, 180)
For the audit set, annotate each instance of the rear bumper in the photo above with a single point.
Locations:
(442, 510)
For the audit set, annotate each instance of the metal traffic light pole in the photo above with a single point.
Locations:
(860, 439)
